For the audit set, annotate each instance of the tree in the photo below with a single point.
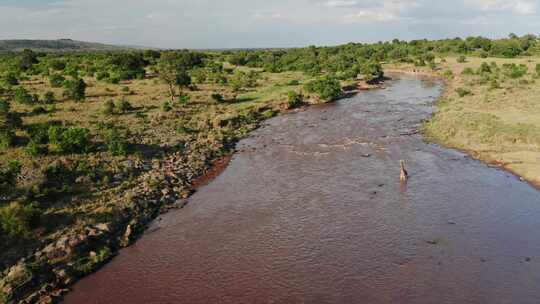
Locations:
(328, 88)
(183, 80)
(372, 71)
(295, 100)
(75, 89)
(26, 60)
(56, 80)
(173, 68)
(22, 96)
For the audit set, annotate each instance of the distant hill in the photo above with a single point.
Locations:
(60, 45)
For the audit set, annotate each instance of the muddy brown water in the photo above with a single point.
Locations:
(311, 210)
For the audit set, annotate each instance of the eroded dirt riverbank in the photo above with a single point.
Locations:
(311, 210)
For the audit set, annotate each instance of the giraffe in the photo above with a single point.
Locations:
(404, 176)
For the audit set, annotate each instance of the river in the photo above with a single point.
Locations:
(311, 210)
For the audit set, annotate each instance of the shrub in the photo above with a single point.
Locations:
(39, 133)
(22, 96)
(217, 97)
(8, 122)
(7, 138)
(39, 110)
(57, 65)
(295, 100)
(56, 80)
(75, 89)
(461, 59)
(11, 79)
(18, 219)
(115, 144)
(103, 75)
(293, 83)
(467, 71)
(448, 74)
(537, 70)
(462, 92)
(327, 87)
(8, 175)
(515, 71)
(419, 63)
(108, 108)
(183, 99)
(34, 149)
(167, 106)
(484, 68)
(49, 97)
(69, 140)
(243, 80)
(124, 106)
(372, 71)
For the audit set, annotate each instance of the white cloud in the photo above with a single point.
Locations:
(340, 3)
(388, 10)
(261, 15)
(520, 7)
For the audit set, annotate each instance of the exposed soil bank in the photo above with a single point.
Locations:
(311, 210)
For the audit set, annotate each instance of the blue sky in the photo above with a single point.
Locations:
(262, 23)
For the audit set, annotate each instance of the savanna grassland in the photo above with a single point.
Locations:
(94, 145)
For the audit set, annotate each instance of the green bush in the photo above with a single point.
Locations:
(49, 97)
(461, 59)
(537, 70)
(18, 219)
(327, 87)
(515, 71)
(295, 100)
(115, 143)
(217, 97)
(242, 80)
(462, 92)
(448, 74)
(467, 71)
(7, 138)
(35, 149)
(75, 89)
(9, 121)
(108, 107)
(293, 82)
(8, 175)
(184, 99)
(56, 80)
(124, 106)
(22, 96)
(167, 106)
(39, 110)
(372, 71)
(103, 75)
(39, 133)
(69, 140)
(11, 79)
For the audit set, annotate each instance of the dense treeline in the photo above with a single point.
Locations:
(348, 60)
